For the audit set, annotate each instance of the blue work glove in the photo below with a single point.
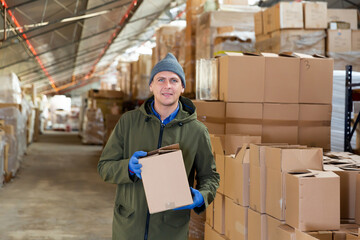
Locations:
(134, 165)
(198, 200)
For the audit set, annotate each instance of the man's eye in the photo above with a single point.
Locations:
(160, 80)
(174, 80)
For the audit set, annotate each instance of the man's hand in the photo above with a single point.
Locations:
(198, 200)
(134, 165)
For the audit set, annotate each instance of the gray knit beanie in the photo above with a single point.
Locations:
(169, 63)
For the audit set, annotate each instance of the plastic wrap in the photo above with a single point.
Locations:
(346, 58)
(10, 91)
(338, 110)
(234, 42)
(93, 127)
(17, 148)
(207, 79)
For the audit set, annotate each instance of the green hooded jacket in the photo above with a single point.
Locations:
(140, 130)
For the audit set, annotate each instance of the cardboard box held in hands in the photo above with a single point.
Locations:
(164, 178)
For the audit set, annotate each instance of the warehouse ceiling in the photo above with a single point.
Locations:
(58, 45)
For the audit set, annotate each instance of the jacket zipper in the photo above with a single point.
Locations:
(148, 214)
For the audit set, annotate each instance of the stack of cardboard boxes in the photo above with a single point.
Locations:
(273, 96)
(292, 27)
(343, 38)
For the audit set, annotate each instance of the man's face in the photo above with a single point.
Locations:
(166, 87)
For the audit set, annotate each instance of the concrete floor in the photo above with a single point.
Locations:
(57, 194)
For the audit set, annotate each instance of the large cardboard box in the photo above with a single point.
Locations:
(281, 78)
(272, 225)
(280, 123)
(343, 15)
(299, 235)
(168, 189)
(256, 225)
(218, 152)
(285, 232)
(315, 73)
(322, 235)
(338, 40)
(237, 176)
(315, 15)
(280, 161)
(211, 234)
(355, 40)
(219, 213)
(357, 206)
(212, 114)
(283, 15)
(236, 220)
(257, 185)
(244, 118)
(313, 200)
(241, 77)
(314, 125)
(347, 190)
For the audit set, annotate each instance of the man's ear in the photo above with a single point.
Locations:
(182, 90)
(150, 87)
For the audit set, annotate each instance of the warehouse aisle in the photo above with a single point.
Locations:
(57, 194)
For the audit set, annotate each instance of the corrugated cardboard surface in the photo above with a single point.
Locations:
(355, 40)
(212, 114)
(343, 15)
(209, 218)
(322, 235)
(285, 232)
(211, 234)
(281, 79)
(258, 20)
(313, 202)
(237, 177)
(219, 213)
(257, 226)
(338, 40)
(314, 125)
(241, 78)
(244, 118)
(315, 74)
(280, 123)
(165, 189)
(272, 225)
(236, 219)
(315, 15)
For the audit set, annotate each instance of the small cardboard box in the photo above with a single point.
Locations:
(168, 189)
(314, 125)
(299, 235)
(283, 15)
(315, 15)
(313, 200)
(316, 72)
(244, 118)
(280, 123)
(237, 176)
(241, 77)
(282, 74)
(279, 161)
(343, 15)
(212, 114)
(219, 213)
(257, 186)
(236, 219)
(338, 40)
(357, 211)
(232, 142)
(256, 225)
(355, 40)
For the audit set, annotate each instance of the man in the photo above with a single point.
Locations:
(164, 119)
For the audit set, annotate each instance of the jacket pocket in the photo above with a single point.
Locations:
(176, 218)
(123, 210)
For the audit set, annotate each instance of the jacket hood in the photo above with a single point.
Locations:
(187, 110)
